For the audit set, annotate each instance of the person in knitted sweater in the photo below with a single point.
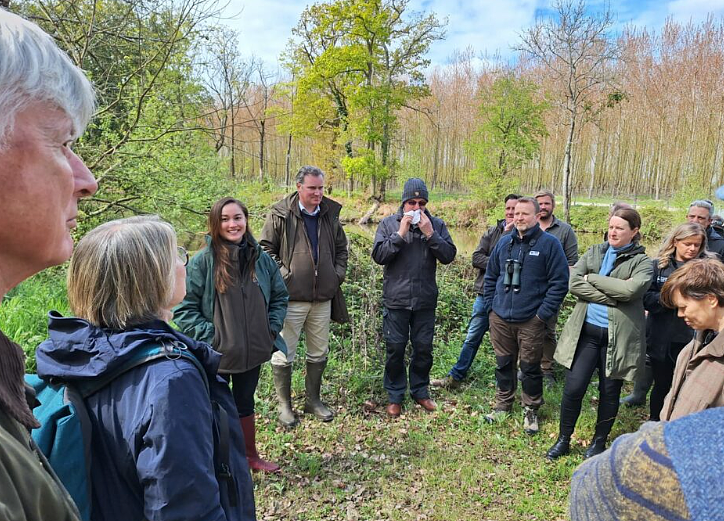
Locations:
(664, 471)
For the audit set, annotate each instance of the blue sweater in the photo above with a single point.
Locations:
(543, 280)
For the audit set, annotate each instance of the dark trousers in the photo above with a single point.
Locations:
(399, 326)
(510, 340)
(243, 386)
(590, 355)
(549, 345)
(663, 371)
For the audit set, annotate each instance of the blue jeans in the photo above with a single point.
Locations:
(478, 325)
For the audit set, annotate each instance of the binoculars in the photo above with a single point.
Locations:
(512, 275)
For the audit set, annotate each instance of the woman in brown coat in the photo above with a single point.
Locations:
(697, 291)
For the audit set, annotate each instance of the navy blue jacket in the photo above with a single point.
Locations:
(543, 281)
(411, 262)
(153, 441)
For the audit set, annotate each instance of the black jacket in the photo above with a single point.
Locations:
(482, 254)
(663, 326)
(715, 242)
(411, 262)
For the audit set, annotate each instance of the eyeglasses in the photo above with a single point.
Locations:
(412, 202)
(183, 255)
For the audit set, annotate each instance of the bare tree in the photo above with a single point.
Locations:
(257, 107)
(576, 51)
(227, 78)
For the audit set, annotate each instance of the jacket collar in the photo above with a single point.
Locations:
(529, 235)
(637, 249)
(713, 349)
(290, 204)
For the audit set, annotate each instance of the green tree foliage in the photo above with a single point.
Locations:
(355, 64)
(511, 127)
(145, 143)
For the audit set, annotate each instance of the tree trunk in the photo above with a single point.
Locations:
(232, 148)
(288, 165)
(566, 186)
(262, 139)
(592, 165)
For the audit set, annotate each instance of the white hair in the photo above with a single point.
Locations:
(34, 69)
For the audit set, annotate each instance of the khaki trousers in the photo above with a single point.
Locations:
(314, 319)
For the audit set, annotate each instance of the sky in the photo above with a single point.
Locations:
(488, 27)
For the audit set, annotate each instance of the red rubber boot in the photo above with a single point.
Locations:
(252, 456)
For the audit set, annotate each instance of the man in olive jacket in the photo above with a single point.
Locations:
(46, 103)
(409, 244)
(302, 233)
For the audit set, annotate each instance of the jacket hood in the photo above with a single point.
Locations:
(78, 350)
(291, 204)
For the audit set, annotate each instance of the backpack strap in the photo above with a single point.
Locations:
(224, 459)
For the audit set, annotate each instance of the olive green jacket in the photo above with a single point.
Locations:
(622, 291)
(195, 315)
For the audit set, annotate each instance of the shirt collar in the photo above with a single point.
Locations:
(304, 210)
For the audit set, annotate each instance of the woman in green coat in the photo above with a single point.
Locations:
(606, 330)
(236, 301)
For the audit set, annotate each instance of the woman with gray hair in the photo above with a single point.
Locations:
(154, 427)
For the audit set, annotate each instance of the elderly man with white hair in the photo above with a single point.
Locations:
(45, 104)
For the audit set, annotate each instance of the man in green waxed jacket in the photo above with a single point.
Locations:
(302, 233)
(45, 104)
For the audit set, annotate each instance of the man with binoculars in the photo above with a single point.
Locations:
(525, 283)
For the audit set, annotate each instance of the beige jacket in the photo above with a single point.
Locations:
(698, 378)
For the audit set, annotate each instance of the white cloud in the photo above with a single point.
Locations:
(264, 26)
(486, 26)
(694, 10)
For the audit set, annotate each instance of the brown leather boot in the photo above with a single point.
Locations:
(252, 456)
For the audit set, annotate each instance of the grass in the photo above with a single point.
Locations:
(447, 465)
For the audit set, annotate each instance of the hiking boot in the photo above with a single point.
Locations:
(530, 421)
(498, 415)
(313, 383)
(283, 385)
(446, 383)
(561, 447)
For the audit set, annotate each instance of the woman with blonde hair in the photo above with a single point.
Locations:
(154, 428)
(667, 334)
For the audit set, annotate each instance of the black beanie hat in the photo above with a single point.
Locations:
(414, 187)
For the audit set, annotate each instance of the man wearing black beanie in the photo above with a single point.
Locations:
(409, 244)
